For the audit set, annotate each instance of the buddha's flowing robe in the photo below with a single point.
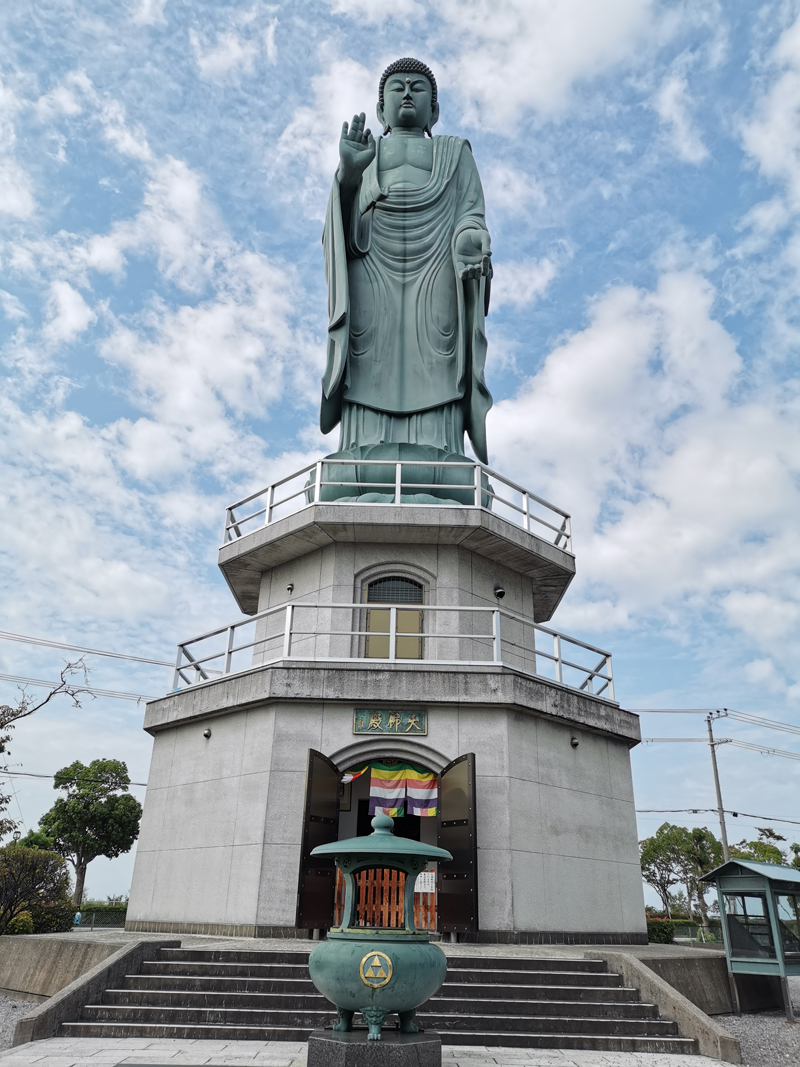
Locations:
(406, 338)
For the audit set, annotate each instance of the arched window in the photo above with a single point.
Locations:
(394, 590)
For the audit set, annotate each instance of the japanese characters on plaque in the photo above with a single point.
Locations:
(390, 721)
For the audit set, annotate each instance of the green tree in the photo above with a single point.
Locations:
(26, 705)
(677, 856)
(704, 853)
(37, 839)
(795, 850)
(97, 817)
(29, 878)
(764, 850)
(662, 861)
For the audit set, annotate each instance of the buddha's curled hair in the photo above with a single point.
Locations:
(408, 66)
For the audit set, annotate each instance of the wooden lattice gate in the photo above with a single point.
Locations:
(380, 900)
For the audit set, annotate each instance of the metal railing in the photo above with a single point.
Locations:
(467, 485)
(447, 635)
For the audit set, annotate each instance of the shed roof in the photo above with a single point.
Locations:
(776, 872)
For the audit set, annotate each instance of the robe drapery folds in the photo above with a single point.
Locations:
(405, 334)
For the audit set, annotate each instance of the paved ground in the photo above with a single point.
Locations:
(83, 1052)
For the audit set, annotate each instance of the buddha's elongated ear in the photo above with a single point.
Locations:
(381, 117)
(434, 115)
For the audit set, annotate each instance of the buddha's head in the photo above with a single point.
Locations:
(408, 97)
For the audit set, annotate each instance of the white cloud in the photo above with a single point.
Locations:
(509, 190)
(519, 55)
(128, 142)
(270, 45)
(197, 370)
(673, 106)
(12, 306)
(680, 495)
(69, 314)
(521, 283)
(150, 12)
(379, 11)
(307, 153)
(231, 52)
(772, 136)
(16, 186)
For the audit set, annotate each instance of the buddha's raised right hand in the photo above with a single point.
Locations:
(356, 151)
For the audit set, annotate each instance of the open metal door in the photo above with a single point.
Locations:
(457, 882)
(315, 889)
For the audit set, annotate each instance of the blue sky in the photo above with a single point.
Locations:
(164, 168)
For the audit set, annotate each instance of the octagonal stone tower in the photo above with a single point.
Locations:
(392, 632)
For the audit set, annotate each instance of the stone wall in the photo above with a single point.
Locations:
(36, 967)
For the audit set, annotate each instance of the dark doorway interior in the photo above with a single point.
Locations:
(408, 826)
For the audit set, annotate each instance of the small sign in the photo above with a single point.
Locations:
(390, 722)
(426, 882)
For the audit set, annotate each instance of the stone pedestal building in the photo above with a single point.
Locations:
(392, 631)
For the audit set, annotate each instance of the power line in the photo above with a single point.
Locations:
(6, 635)
(32, 774)
(720, 713)
(765, 750)
(138, 697)
(707, 811)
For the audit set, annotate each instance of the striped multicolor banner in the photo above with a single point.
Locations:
(392, 784)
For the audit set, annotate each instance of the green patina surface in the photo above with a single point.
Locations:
(408, 267)
(377, 971)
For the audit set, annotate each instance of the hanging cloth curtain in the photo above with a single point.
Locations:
(392, 784)
(387, 789)
(422, 791)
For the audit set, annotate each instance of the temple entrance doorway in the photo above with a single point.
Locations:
(337, 806)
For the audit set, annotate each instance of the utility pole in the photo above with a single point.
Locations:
(720, 810)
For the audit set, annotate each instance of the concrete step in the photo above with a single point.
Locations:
(244, 970)
(524, 963)
(443, 1002)
(170, 998)
(191, 1033)
(483, 976)
(226, 983)
(252, 995)
(297, 1016)
(540, 1007)
(313, 1018)
(612, 994)
(591, 1042)
(505, 963)
(212, 955)
(546, 1024)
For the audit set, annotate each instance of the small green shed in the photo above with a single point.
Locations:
(759, 905)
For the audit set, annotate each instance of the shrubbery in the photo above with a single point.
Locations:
(54, 918)
(660, 931)
(32, 880)
(21, 924)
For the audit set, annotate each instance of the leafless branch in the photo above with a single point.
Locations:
(27, 704)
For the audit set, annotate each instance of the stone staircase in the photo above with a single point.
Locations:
(268, 996)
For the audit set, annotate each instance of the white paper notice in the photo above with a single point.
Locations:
(426, 882)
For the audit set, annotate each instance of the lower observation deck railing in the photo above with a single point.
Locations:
(458, 484)
(335, 633)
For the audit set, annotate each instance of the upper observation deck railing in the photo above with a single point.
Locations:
(383, 633)
(400, 483)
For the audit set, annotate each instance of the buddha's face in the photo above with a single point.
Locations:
(407, 102)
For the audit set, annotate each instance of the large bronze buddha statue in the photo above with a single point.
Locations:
(407, 260)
